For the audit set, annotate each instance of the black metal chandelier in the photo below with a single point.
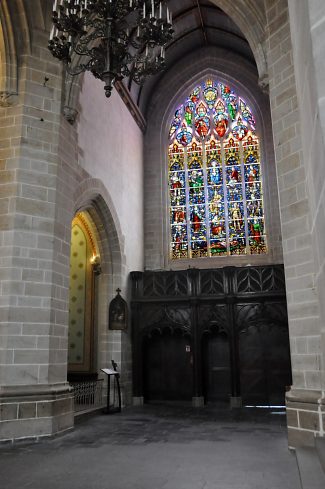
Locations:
(111, 38)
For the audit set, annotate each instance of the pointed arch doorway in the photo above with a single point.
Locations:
(84, 271)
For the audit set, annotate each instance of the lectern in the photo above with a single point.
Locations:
(116, 377)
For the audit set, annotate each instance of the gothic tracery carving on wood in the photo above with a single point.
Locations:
(165, 284)
(259, 279)
(230, 309)
(212, 282)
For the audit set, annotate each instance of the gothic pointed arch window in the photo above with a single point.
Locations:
(215, 179)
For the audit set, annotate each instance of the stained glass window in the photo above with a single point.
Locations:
(215, 185)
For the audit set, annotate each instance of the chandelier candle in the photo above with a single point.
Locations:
(111, 39)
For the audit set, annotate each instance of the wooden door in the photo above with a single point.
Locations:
(217, 368)
(265, 368)
(167, 368)
(277, 358)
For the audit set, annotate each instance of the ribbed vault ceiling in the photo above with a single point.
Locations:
(197, 24)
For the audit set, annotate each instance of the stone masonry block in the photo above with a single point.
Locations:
(314, 379)
(298, 438)
(63, 422)
(292, 417)
(33, 207)
(25, 428)
(302, 406)
(8, 411)
(27, 410)
(309, 420)
(31, 356)
(44, 409)
(21, 342)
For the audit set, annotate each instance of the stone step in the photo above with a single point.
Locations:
(311, 472)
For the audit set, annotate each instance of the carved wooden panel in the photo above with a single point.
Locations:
(168, 368)
(233, 321)
(217, 366)
(213, 318)
(212, 282)
(259, 279)
(264, 356)
(164, 284)
(160, 316)
(256, 314)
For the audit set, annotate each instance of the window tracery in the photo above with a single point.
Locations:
(215, 180)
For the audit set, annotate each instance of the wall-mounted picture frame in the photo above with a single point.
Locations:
(118, 313)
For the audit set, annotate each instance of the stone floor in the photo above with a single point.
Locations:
(159, 447)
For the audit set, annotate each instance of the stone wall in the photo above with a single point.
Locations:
(49, 170)
(110, 149)
(297, 124)
(291, 108)
(35, 397)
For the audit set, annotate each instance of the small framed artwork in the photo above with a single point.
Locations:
(118, 313)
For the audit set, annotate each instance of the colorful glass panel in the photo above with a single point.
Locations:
(196, 199)
(254, 198)
(195, 95)
(221, 119)
(239, 129)
(215, 183)
(210, 93)
(184, 136)
(189, 109)
(177, 191)
(176, 121)
(246, 113)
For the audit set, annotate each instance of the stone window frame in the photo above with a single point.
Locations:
(165, 105)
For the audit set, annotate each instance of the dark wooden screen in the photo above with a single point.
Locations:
(223, 333)
(168, 369)
(216, 368)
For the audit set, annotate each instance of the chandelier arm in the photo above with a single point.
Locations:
(75, 71)
(82, 52)
(98, 32)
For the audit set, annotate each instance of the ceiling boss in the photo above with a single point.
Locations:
(112, 39)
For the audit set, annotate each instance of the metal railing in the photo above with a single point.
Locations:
(88, 395)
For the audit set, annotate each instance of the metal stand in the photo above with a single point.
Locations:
(116, 376)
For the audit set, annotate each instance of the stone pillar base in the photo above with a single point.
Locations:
(198, 402)
(33, 411)
(236, 402)
(137, 401)
(305, 416)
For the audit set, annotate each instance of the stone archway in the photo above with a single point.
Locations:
(91, 195)
(17, 20)
(170, 94)
(93, 198)
(250, 17)
(8, 58)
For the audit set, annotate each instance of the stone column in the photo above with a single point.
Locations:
(35, 399)
(304, 401)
